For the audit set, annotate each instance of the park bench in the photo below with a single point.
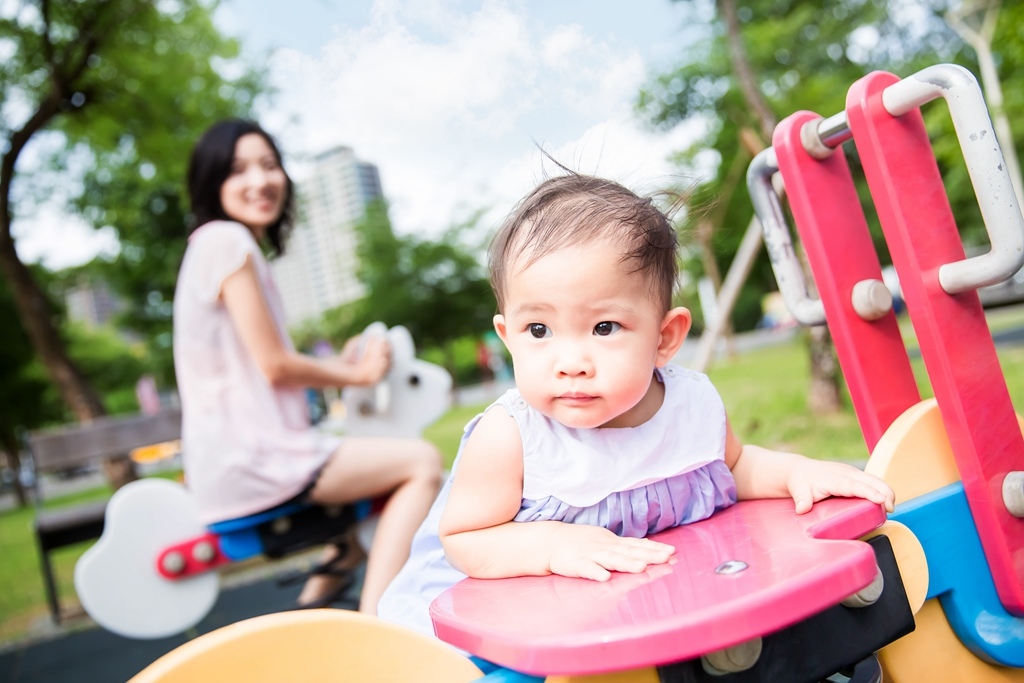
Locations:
(70, 447)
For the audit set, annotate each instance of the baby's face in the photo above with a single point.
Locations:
(583, 333)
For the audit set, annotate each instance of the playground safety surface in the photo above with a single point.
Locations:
(94, 655)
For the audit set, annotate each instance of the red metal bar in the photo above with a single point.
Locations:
(835, 236)
(955, 342)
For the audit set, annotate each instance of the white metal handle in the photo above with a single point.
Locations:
(1000, 206)
(806, 309)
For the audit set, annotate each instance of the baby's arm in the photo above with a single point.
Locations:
(481, 540)
(763, 473)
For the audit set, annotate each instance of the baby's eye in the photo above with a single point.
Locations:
(539, 330)
(603, 329)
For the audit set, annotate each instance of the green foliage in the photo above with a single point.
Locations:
(804, 56)
(115, 94)
(437, 288)
(28, 399)
(460, 357)
(110, 364)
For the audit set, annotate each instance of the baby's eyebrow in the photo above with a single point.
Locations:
(532, 308)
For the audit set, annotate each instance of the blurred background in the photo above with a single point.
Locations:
(410, 129)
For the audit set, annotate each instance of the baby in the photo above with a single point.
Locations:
(603, 441)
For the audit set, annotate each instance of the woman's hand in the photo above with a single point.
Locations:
(593, 552)
(812, 480)
(370, 366)
(350, 352)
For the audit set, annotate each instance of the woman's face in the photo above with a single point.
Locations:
(255, 190)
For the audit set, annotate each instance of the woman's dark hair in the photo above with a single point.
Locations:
(210, 165)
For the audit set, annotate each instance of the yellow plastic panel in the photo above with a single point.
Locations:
(314, 646)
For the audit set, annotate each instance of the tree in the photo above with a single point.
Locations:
(23, 389)
(121, 88)
(29, 399)
(145, 271)
(437, 288)
(767, 58)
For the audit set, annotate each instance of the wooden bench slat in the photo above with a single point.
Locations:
(107, 437)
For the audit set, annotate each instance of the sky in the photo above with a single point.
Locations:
(451, 100)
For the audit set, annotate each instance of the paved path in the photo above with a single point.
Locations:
(93, 655)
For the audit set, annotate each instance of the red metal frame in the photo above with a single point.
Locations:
(192, 565)
(955, 341)
(835, 236)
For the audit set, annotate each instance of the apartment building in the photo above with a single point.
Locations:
(318, 269)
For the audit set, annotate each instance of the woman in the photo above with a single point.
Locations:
(247, 440)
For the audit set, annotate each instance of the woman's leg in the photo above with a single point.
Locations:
(365, 467)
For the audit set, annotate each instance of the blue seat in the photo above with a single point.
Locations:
(241, 538)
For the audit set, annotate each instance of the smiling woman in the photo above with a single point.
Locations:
(255, 191)
(247, 440)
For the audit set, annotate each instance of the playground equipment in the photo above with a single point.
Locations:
(956, 462)
(151, 574)
(757, 593)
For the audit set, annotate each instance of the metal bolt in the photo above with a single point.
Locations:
(732, 659)
(173, 563)
(869, 594)
(204, 552)
(871, 299)
(1013, 493)
(731, 567)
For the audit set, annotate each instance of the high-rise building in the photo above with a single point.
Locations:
(91, 302)
(318, 269)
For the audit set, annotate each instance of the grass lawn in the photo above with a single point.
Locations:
(23, 599)
(764, 392)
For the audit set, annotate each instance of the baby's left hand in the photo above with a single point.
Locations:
(812, 480)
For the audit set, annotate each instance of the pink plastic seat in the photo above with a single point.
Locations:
(795, 566)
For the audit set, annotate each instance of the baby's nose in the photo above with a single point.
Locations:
(574, 363)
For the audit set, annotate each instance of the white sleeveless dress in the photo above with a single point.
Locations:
(634, 481)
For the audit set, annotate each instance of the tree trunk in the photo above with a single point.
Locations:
(824, 395)
(65, 71)
(705, 237)
(36, 317)
(34, 312)
(9, 447)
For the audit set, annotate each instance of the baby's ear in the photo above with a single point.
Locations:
(674, 328)
(499, 327)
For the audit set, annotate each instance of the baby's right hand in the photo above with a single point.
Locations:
(592, 552)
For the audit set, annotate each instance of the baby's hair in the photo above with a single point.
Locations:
(576, 209)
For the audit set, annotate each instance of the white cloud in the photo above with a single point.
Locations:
(449, 105)
(59, 240)
(449, 99)
(558, 48)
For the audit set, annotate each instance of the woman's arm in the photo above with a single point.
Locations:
(764, 473)
(481, 540)
(244, 300)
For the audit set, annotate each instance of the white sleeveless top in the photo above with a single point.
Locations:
(247, 446)
(634, 481)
